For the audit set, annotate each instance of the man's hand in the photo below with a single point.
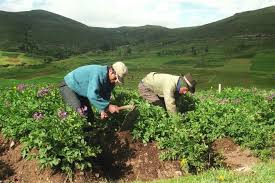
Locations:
(103, 115)
(113, 108)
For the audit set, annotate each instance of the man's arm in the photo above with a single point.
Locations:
(93, 94)
(170, 101)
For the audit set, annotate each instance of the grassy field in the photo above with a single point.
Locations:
(262, 173)
(209, 70)
(263, 62)
(9, 59)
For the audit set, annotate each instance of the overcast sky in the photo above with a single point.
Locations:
(116, 13)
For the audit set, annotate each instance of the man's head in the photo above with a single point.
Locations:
(186, 83)
(117, 72)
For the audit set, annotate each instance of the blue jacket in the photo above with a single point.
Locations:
(91, 81)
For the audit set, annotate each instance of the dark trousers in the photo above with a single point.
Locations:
(76, 101)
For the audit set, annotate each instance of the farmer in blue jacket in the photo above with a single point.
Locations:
(92, 85)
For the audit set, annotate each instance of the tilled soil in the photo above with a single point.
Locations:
(122, 160)
(233, 156)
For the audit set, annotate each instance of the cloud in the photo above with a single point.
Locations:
(232, 6)
(15, 5)
(119, 13)
(115, 13)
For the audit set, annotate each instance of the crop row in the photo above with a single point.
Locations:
(53, 133)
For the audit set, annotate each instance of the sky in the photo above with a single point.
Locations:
(116, 13)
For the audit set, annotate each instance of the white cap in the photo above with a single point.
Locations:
(121, 70)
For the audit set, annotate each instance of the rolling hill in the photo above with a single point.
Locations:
(259, 22)
(49, 31)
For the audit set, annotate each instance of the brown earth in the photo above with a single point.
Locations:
(122, 160)
(233, 156)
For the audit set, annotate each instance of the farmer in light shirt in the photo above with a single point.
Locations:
(92, 85)
(163, 89)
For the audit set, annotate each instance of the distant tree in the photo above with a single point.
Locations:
(125, 50)
(128, 50)
(105, 47)
(193, 50)
(229, 51)
(62, 52)
(29, 44)
(183, 51)
(48, 59)
(206, 49)
(108, 45)
(241, 46)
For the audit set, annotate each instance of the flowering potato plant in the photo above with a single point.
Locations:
(53, 132)
(37, 116)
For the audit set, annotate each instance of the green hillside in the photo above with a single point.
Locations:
(258, 23)
(38, 46)
(47, 33)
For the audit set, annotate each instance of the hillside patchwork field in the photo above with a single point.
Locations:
(210, 70)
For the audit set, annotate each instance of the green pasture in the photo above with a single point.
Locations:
(209, 69)
(264, 62)
(8, 59)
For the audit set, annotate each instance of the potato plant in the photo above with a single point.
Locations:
(49, 130)
(246, 115)
(53, 133)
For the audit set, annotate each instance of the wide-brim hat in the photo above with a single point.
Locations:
(121, 70)
(190, 82)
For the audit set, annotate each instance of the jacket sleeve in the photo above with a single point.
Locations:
(170, 101)
(93, 94)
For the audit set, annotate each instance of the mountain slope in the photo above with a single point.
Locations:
(48, 29)
(251, 22)
(51, 31)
